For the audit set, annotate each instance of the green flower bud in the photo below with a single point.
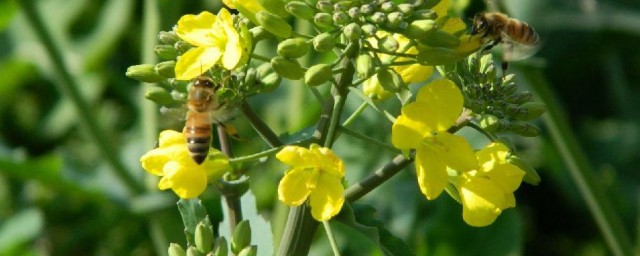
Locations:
(342, 6)
(424, 14)
(325, 6)
(509, 88)
(259, 33)
(420, 28)
(435, 56)
(394, 19)
(369, 29)
(300, 9)
(274, 6)
(514, 110)
(378, 18)
(250, 78)
(405, 9)
(519, 97)
(352, 31)
(182, 46)
(166, 69)
(367, 8)
(317, 74)
(531, 175)
(192, 251)
(440, 38)
(241, 236)
(340, 18)
(168, 37)
(388, 44)
(249, 251)
(221, 248)
(287, 68)
(269, 79)
(489, 123)
(166, 52)
(144, 73)
(364, 65)
(354, 12)
(532, 110)
(203, 238)
(293, 47)
(388, 7)
(390, 80)
(323, 42)
(274, 24)
(160, 96)
(323, 20)
(524, 129)
(485, 61)
(179, 85)
(176, 250)
(508, 78)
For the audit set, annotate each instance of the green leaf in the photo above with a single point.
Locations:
(192, 212)
(22, 227)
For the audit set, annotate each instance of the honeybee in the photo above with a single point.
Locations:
(500, 28)
(197, 128)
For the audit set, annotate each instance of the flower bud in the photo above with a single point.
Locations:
(532, 110)
(434, 56)
(176, 250)
(192, 251)
(340, 18)
(249, 251)
(323, 42)
(166, 69)
(241, 236)
(268, 78)
(523, 128)
(420, 28)
(507, 79)
(509, 88)
(274, 6)
(378, 18)
(354, 12)
(182, 46)
(394, 19)
(388, 7)
(489, 123)
(221, 248)
(369, 29)
(440, 38)
(317, 74)
(405, 9)
(352, 31)
(485, 61)
(390, 79)
(250, 79)
(519, 97)
(342, 6)
(364, 65)
(323, 20)
(424, 14)
(168, 37)
(274, 24)
(300, 9)
(144, 73)
(367, 8)
(160, 96)
(531, 175)
(325, 6)
(259, 33)
(293, 47)
(373, 89)
(166, 52)
(203, 238)
(179, 85)
(388, 44)
(287, 68)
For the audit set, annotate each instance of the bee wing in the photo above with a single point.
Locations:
(177, 114)
(514, 51)
(223, 114)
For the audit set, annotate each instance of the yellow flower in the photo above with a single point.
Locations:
(423, 126)
(412, 73)
(216, 41)
(316, 173)
(248, 8)
(487, 191)
(179, 172)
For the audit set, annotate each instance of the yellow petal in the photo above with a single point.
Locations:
(327, 199)
(297, 157)
(196, 61)
(414, 73)
(431, 173)
(416, 122)
(216, 164)
(186, 183)
(468, 45)
(457, 152)
(248, 8)
(197, 29)
(233, 49)
(494, 153)
(330, 164)
(153, 161)
(374, 90)
(453, 25)
(441, 8)
(292, 189)
(170, 137)
(481, 201)
(445, 101)
(507, 176)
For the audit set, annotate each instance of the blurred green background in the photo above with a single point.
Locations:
(60, 194)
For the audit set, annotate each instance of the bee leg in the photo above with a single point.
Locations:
(491, 45)
(506, 56)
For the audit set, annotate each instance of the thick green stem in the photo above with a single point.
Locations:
(580, 169)
(259, 126)
(378, 177)
(231, 197)
(298, 233)
(69, 87)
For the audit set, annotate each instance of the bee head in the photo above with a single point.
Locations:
(205, 81)
(480, 24)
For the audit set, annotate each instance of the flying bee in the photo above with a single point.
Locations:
(500, 28)
(203, 109)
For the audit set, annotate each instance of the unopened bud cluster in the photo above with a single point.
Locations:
(496, 99)
(206, 244)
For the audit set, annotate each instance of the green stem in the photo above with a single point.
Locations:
(368, 139)
(332, 239)
(580, 169)
(374, 180)
(260, 57)
(261, 128)
(355, 114)
(338, 105)
(69, 87)
(255, 156)
(298, 233)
